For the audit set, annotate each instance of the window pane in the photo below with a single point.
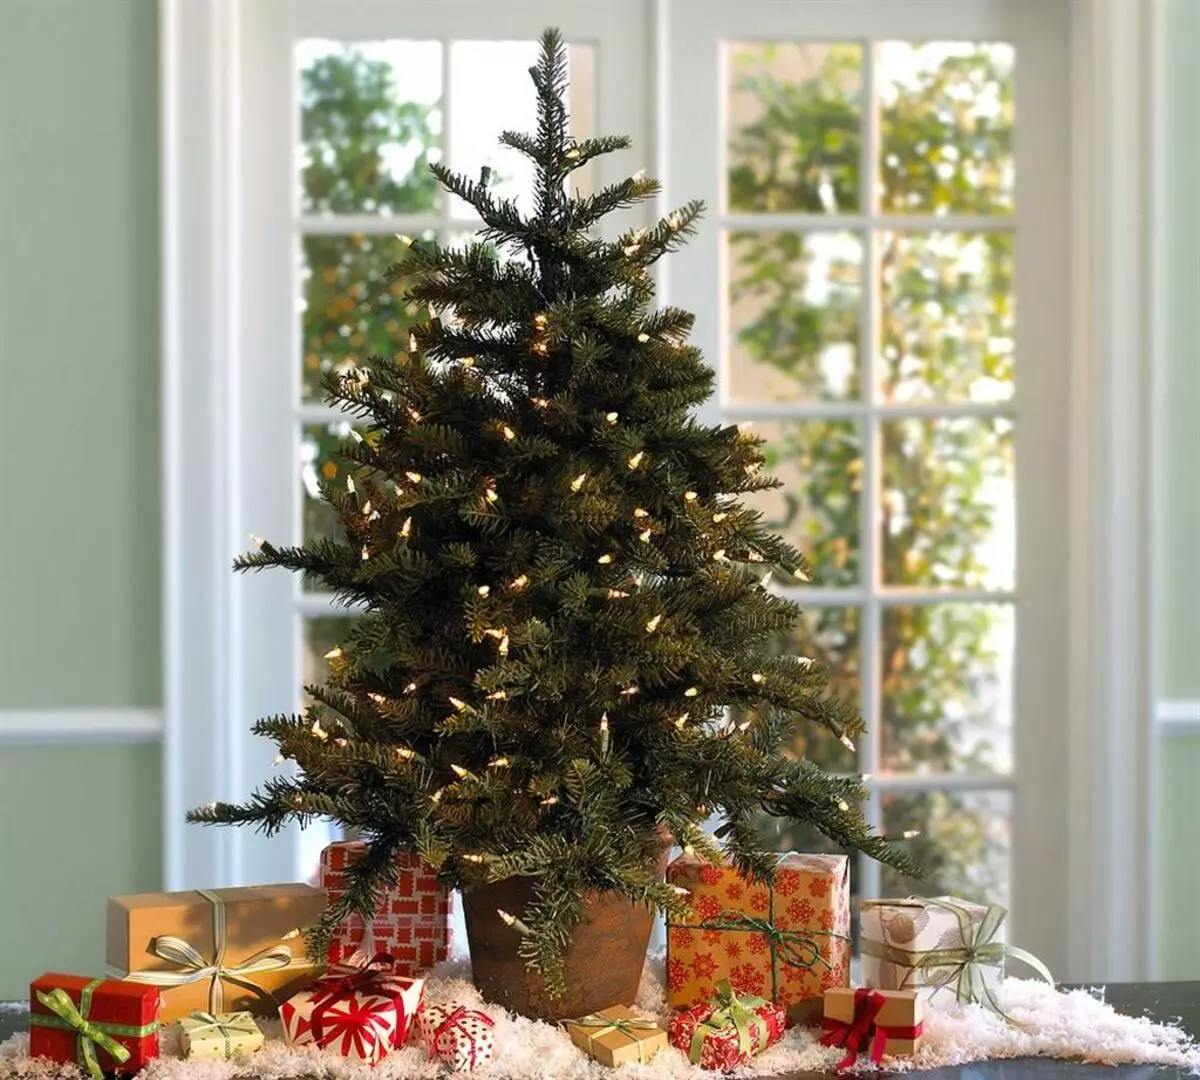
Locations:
(370, 123)
(817, 509)
(320, 635)
(794, 308)
(947, 688)
(349, 313)
(948, 514)
(794, 116)
(320, 462)
(947, 317)
(946, 127)
(964, 843)
(490, 92)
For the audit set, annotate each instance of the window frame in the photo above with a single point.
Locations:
(222, 74)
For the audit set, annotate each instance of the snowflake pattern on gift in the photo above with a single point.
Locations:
(676, 974)
(819, 886)
(681, 938)
(710, 875)
(786, 884)
(827, 919)
(758, 944)
(711, 937)
(748, 979)
(831, 977)
(733, 950)
(703, 965)
(800, 911)
(759, 901)
(734, 890)
(709, 907)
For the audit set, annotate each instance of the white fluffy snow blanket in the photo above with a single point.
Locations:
(1049, 1023)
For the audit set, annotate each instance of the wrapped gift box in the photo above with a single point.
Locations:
(364, 1014)
(807, 953)
(899, 935)
(459, 1037)
(709, 1037)
(218, 1037)
(412, 917)
(876, 1021)
(126, 1013)
(251, 936)
(617, 1036)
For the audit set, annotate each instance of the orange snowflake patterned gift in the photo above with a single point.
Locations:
(788, 943)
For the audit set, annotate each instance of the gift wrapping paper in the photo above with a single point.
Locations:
(875, 1021)
(218, 1037)
(103, 1025)
(215, 950)
(412, 917)
(789, 943)
(617, 1036)
(708, 1036)
(896, 934)
(459, 1037)
(364, 1014)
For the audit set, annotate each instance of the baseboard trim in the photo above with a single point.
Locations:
(79, 727)
(1180, 717)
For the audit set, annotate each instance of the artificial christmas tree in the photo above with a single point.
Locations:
(564, 600)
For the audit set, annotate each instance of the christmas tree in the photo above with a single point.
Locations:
(565, 606)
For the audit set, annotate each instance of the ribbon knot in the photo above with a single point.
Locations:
(852, 1034)
(731, 1009)
(68, 1016)
(629, 1026)
(455, 1016)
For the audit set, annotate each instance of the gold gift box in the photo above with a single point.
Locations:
(617, 1036)
(215, 950)
(206, 1037)
(901, 1017)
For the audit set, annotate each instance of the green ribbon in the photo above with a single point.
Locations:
(963, 964)
(783, 945)
(228, 1024)
(734, 1010)
(67, 1016)
(629, 1026)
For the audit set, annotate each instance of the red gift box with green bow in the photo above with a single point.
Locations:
(727, 1030)
(103, 1025)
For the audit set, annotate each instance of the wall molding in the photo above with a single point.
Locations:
(1178, 717)
(79, 727)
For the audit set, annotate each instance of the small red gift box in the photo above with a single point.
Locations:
(102, 1024)
(459, 1037)
(727, 1031)
(412, 917)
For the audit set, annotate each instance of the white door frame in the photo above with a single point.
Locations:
(207, 751)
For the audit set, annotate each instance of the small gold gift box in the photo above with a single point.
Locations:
(617, 1036)
(218, 1036)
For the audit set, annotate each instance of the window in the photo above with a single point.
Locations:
(870, 261)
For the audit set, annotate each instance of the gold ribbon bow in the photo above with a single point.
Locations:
(192, 967)
(68, 1016)
(738, 1011)
(227, 1024)
(606, 1025)
(963, 963)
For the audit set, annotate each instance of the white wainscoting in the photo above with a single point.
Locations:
(79, 727)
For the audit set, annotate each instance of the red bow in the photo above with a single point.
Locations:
(361, 977)
(355, 1024)
(461, 1012)
(851, 1035)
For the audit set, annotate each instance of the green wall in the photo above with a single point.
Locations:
(1178, 527)
(79, 480)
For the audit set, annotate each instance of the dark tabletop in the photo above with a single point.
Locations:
(1163, 1001)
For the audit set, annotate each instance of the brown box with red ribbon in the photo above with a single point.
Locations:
(100, 1024)
(875, 1022)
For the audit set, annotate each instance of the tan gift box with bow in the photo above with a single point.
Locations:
(215, 950)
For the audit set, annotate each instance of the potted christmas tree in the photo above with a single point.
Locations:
(565, 605)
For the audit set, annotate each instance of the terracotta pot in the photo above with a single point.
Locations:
(604, 960)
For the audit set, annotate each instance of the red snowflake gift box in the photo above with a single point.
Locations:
(727, 1031)
(459, 1037)
(364, 1013)
(412, 917)
(789, 942)
(102, 1024)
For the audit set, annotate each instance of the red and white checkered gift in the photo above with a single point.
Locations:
(412, 918)
(362, 1014)
(459, 1037)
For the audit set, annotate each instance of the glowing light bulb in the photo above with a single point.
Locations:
(405, 239)
(539, 320)
(540, 402)
(643, 338)
(632, 249)
(460, 772)
(910, 834)
(604, 560)
(719, 555)
(492, 495)
(414, 477)
(350, 484)
(690, 496)
(865, 778)
(688, 849)
(718, 518)
(483, 590)
(753, 556)
(637, 459)
(499, 695)
(757, 677)
(318, 732)
(674, 222)
(692, 691)
(612, 417)
(847, 742)
(473, 858)
(509, 434)
(681, 720)
(335, 653)
(638, 177)
(414, 415)
(257, 541)
(411, 688)
(604, 721)
(436, 797)
(652, 625)
(367, 508)
(503, 648)
(645, 535)
(550, 800)
(579, 481)
(629, 691)
(356, 436)
(506, 918)
(412, 342)
(843, 806)
(766, 578)
(458, 703)
(406, 528)
(278, 759)
(744, 725)
(379, 699)
(517, 584)
(404, 753)
(640, 513)
(366, 553)
(468, 361)
(800, 574)
(617, 594)
(574, 153)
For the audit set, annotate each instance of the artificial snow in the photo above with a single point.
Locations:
(1047, 1023)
